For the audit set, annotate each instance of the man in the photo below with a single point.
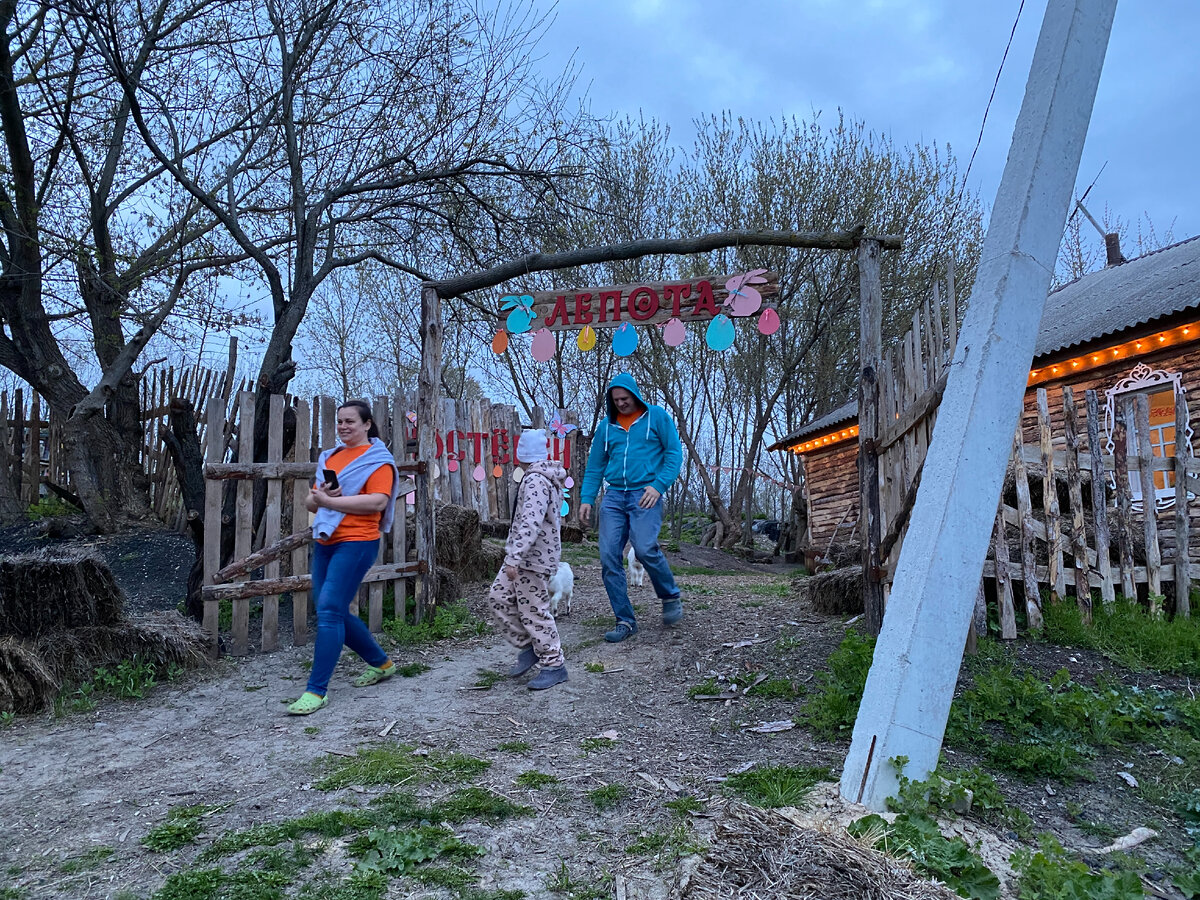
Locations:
(636, 451)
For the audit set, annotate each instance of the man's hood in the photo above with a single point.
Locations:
(622, 380)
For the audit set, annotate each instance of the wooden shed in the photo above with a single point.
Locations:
(1131, 328)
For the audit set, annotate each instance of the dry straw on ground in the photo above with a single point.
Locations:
(835, 593)
(759, 854)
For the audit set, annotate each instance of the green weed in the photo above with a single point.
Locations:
(751, 604)
(85, 861)
(514, 746)
(535, 780)
(774, 689)
(607, 797)
(1127, 634)
(703, 570)
(411, 670)
(596, 744)
(1051, 874)
(830, 710)
(396, 765)
(452, 621)
(596, 668)
(706, 688)
(776, 786)
(333, 823)
(487, 678)
(476, 803)
(397, 851)
(668, 846)
(181, 827)
(787, 644)
(775, 589)
(562, 882)
(684, 805)
(49, 507)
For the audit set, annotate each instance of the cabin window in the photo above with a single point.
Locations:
(1161, 388)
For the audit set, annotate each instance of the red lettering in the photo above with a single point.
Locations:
(674, 294)
(643, 303)
(583, 309)
(438, 446)
(559, 312)
(500, 453)
(459, 440)
(615, 297)
(477, 437)
(706, 301)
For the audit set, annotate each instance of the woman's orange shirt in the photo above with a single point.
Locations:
(365, 526)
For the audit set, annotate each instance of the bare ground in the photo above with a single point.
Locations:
(103, 779)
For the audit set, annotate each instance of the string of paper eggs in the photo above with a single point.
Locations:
(743, 301)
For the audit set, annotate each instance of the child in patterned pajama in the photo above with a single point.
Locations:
(519, 598)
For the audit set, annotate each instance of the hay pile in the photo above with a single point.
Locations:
(61, 619)
(460, 545)
(759, 853)
(836, 593)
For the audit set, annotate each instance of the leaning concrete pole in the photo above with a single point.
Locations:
(919, 651)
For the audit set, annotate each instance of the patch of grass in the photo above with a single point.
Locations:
(475, 893)
(396, 765)
(49, 507)
(452, 877)
(609, 796)
(561, 881)
(775, 689)
(397, 851)
(411, 670)
(703, 570)
(751, 604)
(668, 845)
(89, 860)
(830, 709)
(312, 729)
(476, 803)
(1050, 873)
(331, 823)
(775, 589)
(775, 786)
(787, 644)
(514, 746)
(700, 606)
(535, 780)
(251, 688)
(596, 621)
(452, 621)
(596, 744)
(130, 679)
(1127, 634)
(596, 668)
(707, 687)
(684, 804)
(180, 828)
(7, 717)
(487, 678)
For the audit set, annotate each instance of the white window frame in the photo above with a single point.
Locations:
(1145, 380)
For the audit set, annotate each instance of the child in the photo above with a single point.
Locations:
(519, 599)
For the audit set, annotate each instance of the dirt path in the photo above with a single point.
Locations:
(100, 781)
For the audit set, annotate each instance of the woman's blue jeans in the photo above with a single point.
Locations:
(337, 571)
(621, 520)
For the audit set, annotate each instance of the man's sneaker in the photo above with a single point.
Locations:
(620, 632)
(308, 704)
(374, 675)
(672, 611)
(548, 678)
(526, 660)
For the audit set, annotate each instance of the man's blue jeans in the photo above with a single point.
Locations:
(621, 520)
(337, 571)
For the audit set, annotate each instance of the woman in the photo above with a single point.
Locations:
(347, 526)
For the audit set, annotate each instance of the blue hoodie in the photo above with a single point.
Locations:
(648, 455)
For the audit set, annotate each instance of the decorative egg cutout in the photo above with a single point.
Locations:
(746, 302)
(720, 333)
(519, 321)
(587, 338)
(411, 498)
(518, 474)
(434, 471)
(570, 482)
(500, 342)
(452, 465)
(478, 474)
(768, 322)
(497, 471)
(544, 347)
(673, 333)
(566, 509)
(625, 340)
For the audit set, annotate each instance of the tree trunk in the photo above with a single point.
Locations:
(107, 473)
(184, 446)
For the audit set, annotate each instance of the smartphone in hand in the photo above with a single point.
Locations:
(330, 477)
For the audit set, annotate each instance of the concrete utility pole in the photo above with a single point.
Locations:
(919, 651)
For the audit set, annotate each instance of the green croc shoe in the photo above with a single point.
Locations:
(374, 675)
(307, 704)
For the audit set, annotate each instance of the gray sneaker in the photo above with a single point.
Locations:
(526, 660)
(548, 678)
(620, 632)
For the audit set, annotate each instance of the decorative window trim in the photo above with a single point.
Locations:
(1144, 379)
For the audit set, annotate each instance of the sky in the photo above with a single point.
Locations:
(919, 71)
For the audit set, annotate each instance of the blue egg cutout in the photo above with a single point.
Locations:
(720, 332)
(566, 509)
(625, 340)
(519, 321)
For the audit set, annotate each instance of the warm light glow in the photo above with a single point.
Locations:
(1186, 330)
(1116, 352)
(1139, 345)
(1095, 358)
(1074, 364)
(1161, 338)
(1054, 368)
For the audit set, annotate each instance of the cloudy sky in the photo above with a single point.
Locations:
(918, 70)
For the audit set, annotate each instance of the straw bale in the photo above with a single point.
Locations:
(162, 639)
(26, 683)
(833, 593)
(758, 854)
(56, 589)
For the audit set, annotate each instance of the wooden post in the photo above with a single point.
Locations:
(1050, 501)
(1149, 505)
(870, 348)
(243, 520)
(215, 453)
(1004, 593)
(300, 519)
(1099, 502)
(272, 518)
(1083, 588)
(33, 449)
(375, 591)
(399, 535)
(917, 658)
(1033, 594)
(1183, 581)
(428, 397)
(1121, 438)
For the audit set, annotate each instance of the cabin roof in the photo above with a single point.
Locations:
(1099, 304)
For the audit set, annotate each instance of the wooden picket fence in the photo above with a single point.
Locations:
(1100, 539)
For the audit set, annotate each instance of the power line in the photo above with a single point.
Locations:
(995, 84)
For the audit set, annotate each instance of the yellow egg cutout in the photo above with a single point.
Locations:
(587, 338)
